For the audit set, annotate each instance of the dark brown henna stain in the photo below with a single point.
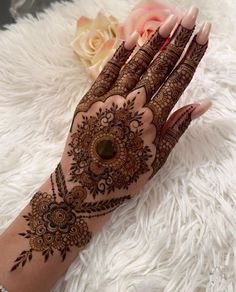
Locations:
(105, 80)
(195, 53)
(173, 88)
(165, 62)
(59, 225)
(171, 137)
(60, 181)
(119, 129)
(133, 70)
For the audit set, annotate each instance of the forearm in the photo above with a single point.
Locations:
(36, 274)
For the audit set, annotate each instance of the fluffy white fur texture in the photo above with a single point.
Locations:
(179, 234)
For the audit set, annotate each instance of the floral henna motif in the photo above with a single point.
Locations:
(108, 151)
(58, 225)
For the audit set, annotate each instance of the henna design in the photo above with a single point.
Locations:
(195, 53)
(104, 81)
(60, 181)
(170, 139)
(165, 62)
(108, 151)
(133, 70)
(58, 225)
(107, 148)
(175, 85)
(169, 95)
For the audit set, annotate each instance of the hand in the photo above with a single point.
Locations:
(119, 138)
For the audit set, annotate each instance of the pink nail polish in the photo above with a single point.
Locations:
(203, 34)
(201, 109)
(131, 41)
(167, 26)
(190, 17)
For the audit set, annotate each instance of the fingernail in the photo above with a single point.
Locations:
(203, 34)
(201, 109)
(167, 26)
(190, 17)
(130, 43)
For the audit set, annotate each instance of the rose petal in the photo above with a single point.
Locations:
(156, 15)
(104, 50)
(95, 41)
(102, 21)
(83, 23)
(149, 28)
(145, 11)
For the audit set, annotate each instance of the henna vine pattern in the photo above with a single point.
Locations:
(58, 225)
(116, 132)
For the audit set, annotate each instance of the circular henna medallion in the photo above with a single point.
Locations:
(108, 151)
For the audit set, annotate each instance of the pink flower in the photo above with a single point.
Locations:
(146, 17)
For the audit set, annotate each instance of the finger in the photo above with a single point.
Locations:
(174, 86)
(111, 70)
(174, 128)
(107, 76)
(167, 59)
(132, 71)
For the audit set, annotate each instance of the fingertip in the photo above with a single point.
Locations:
(201, 109)
(130, 42)
(190, 17)
(179, 116)
(168, 25)
(203, 34)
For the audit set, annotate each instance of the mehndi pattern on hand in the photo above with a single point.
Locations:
(119, 138)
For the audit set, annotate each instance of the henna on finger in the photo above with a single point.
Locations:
(173, 88)
(133, 70)
(170, 136)
(105, 79)
(161, 67)
(165, 62)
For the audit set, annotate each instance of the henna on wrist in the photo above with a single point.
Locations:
(58, 224)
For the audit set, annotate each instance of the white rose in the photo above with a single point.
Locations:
(95, 41)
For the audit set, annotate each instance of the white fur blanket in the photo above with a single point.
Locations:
(180, 233)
